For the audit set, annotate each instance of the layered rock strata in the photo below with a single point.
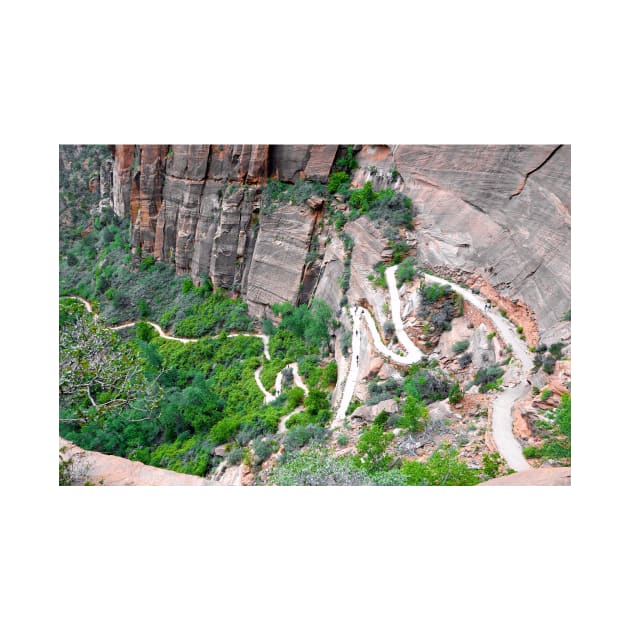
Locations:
(500, 212)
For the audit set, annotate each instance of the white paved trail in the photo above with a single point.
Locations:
(353, 372)
(502, 407)
(225, 475)
(502, 419)
(413, 352)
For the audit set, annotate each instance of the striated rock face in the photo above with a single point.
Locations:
(501, 211)
(498, 212)
(197, 206)
(277, 263)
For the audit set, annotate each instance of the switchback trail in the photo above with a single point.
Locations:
(502, 420)
(414, 354)
(502, 433)
(269, 397)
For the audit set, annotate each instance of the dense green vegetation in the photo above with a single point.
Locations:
(208, 395)
(406, 271)
(443, 468)
(216, 313)
(556, 434)
(276, 193)
(319, 467)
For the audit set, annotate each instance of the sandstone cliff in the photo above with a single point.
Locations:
(501, 212)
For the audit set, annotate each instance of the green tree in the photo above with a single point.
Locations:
(441, 469)
(371, 448)
(413, 410)
(98, 373)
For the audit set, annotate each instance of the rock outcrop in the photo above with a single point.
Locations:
(278, 258)
(559, 476)
(109, 470)
(498, 212)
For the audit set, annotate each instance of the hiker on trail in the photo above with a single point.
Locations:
(357, 359)
(356, 332)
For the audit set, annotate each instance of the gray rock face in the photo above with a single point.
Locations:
(502, 212)
(369, 412)
(277, 263)
(328, 288)
(482, 348)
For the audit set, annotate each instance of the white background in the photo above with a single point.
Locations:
(325, 72)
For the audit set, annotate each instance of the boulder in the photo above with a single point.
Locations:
(369, 412)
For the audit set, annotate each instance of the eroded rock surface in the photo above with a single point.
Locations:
(501, 213)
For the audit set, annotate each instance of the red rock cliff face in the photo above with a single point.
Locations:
(500, 211)
(197, 206)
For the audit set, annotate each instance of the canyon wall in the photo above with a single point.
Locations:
(501, 212)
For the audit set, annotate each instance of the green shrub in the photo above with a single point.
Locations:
(336, 180)
(433, 292)
(187, 285)
(143, 308)
(455, 395)
(406, 271)
(147, 263)
(460, 346)
(545, 394)
(548, 364)
(487, 378)
(371, 449)
(442, 468)
(262, 450)
(235, 456)
(426, 384)
(342, 439)
(347, 163)
(216, 313)
(145, 332)
(329, 375)
(318, 467)
(413, 411)
(295, 397)
(300, 435)
(491, 334)
(491, 464)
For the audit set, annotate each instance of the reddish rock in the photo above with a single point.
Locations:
(110, 470)
(320, 162)
(560, 476)
(376, 363)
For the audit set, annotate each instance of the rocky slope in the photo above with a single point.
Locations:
(560, 476)
(501, 213)
(109, 470)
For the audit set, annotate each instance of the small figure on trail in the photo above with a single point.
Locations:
(357, 359)
(356, 332)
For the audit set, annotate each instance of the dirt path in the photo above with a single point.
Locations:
(502, 420)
